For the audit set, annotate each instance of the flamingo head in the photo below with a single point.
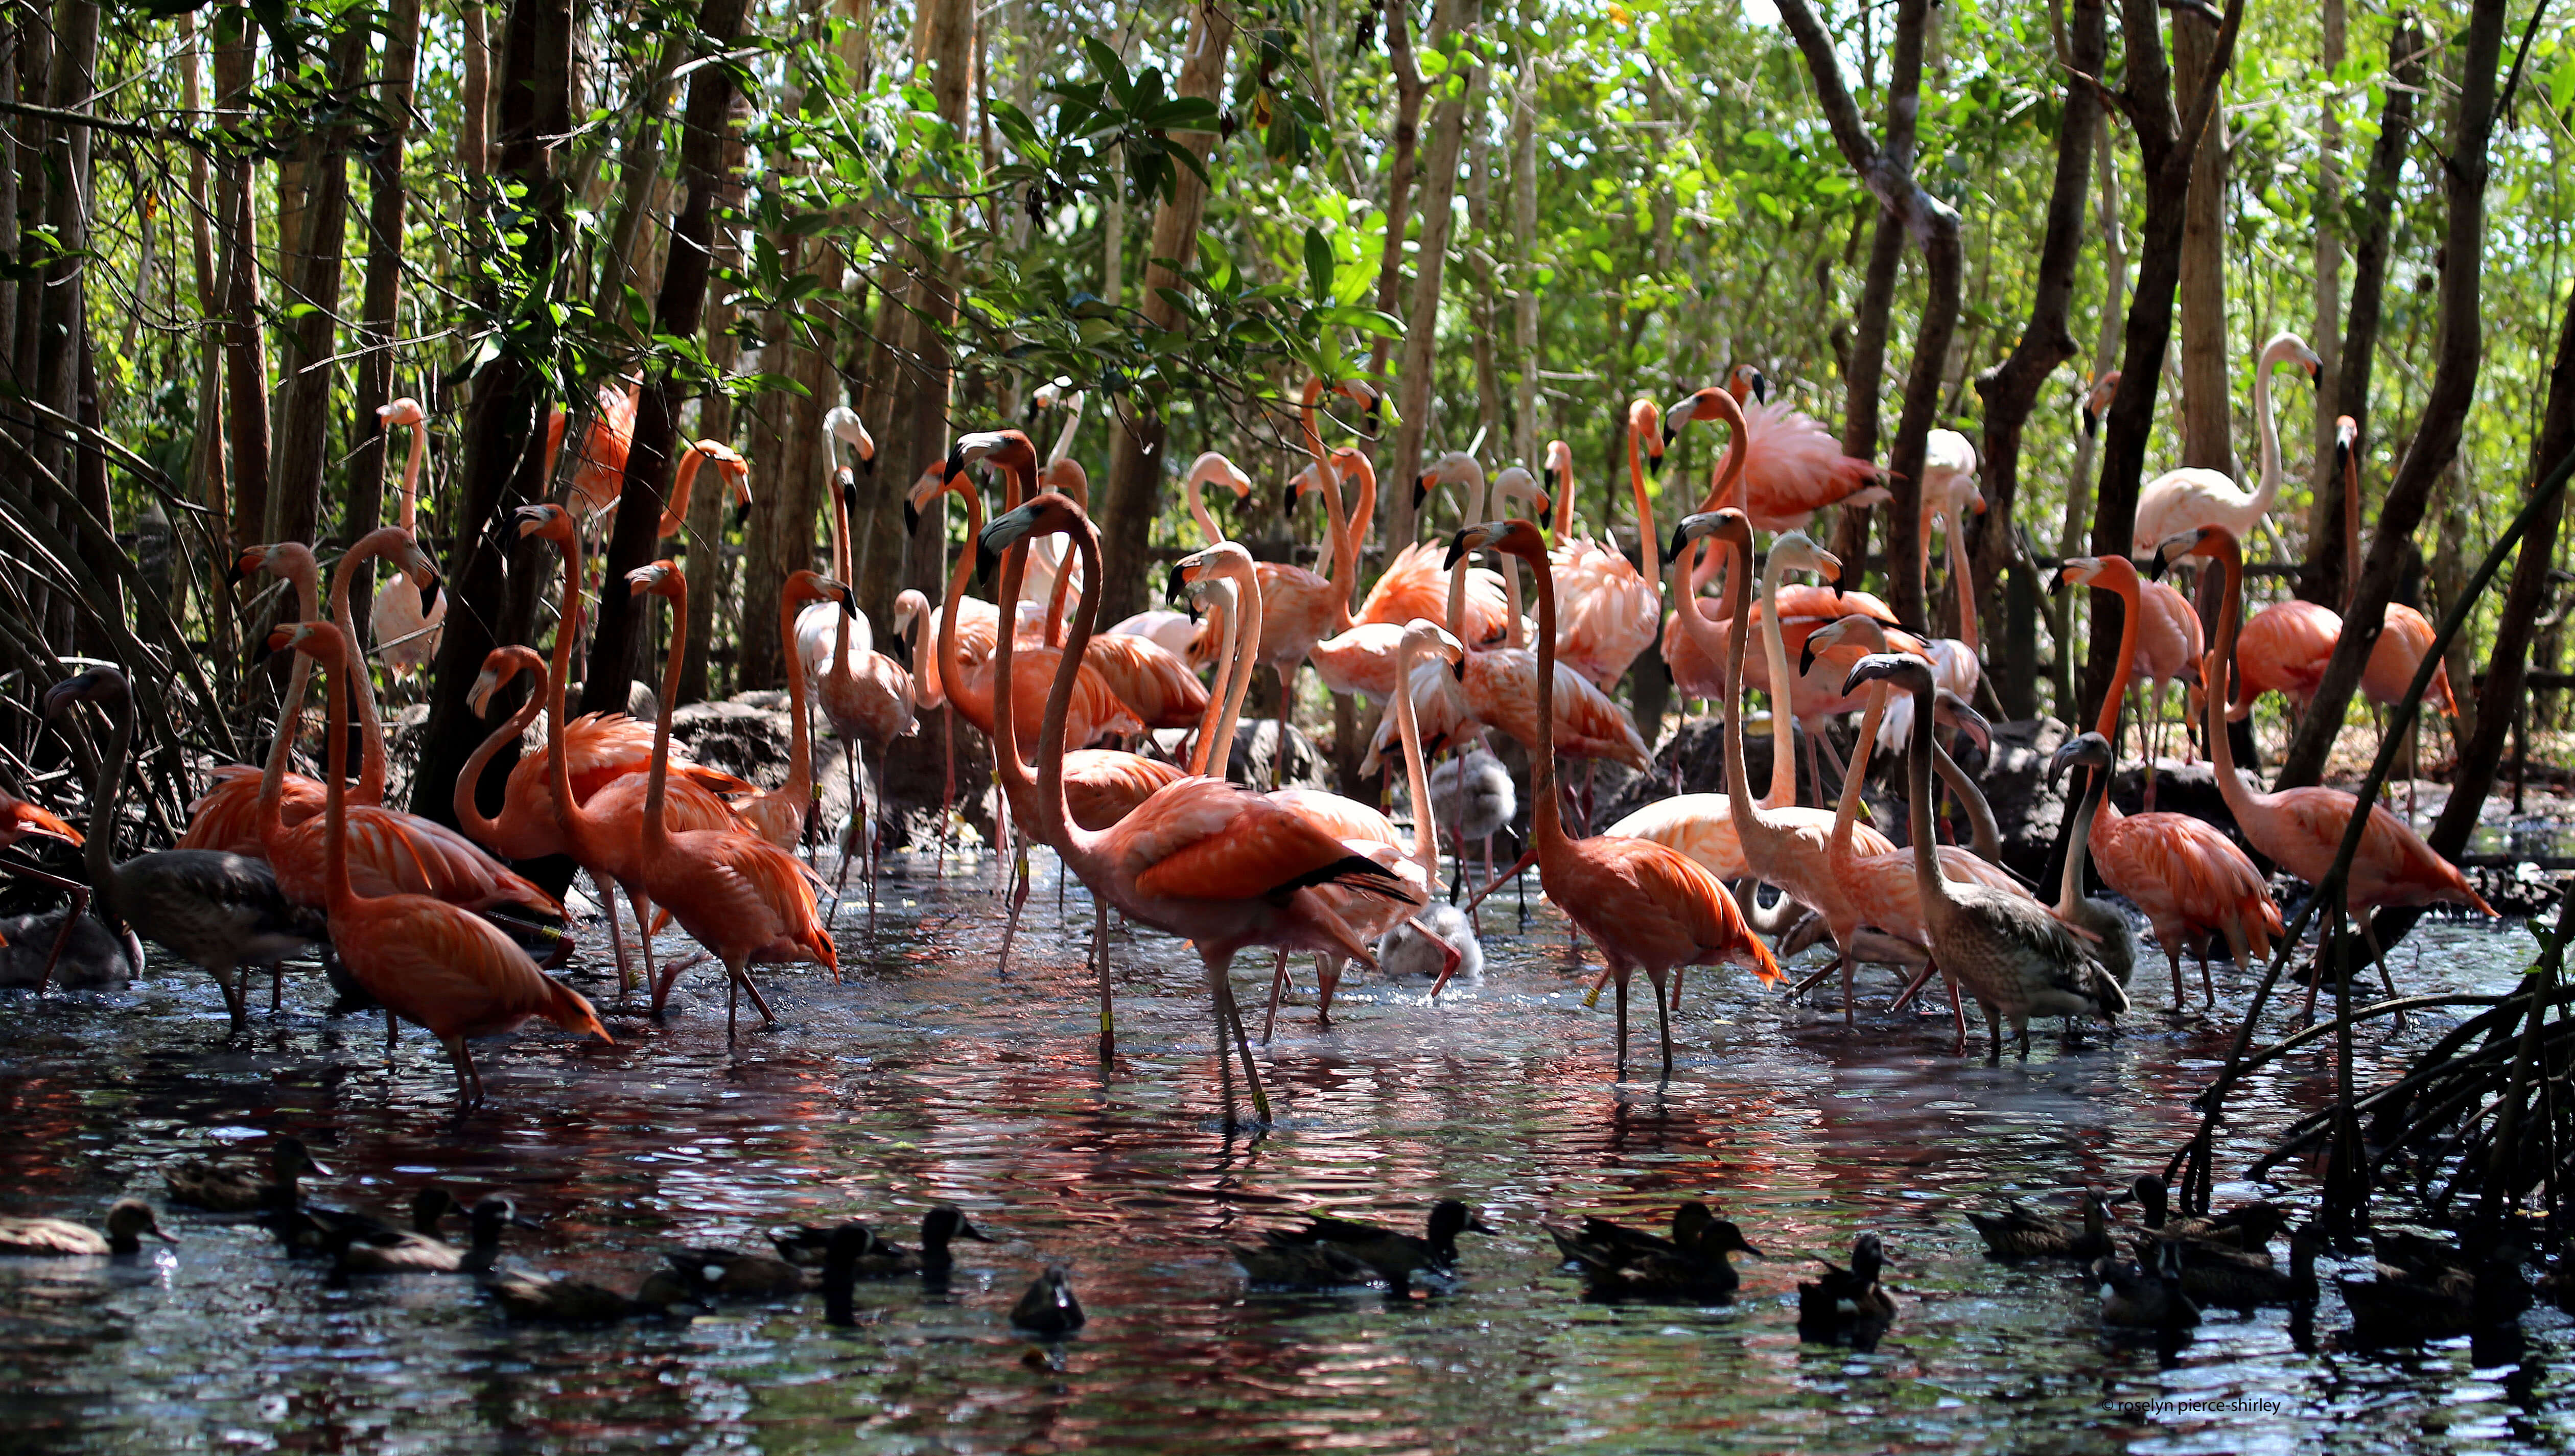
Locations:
(499, 666)
(1514, 536)
(2292, 349)
(1856, 635)
(2211, 542)
(1559, 466)
(844, 425)
(2346, 444)
(2106, 572)
(1904, 673)
(2096, 401)
(2089, 751)
(934, 483)
(997, 449)
(1046, 515)
(414, 563)
(291, 561)
(909, 608)
(1422, 637)
(404, 412)
(97, 685)
(320, 641)
(1516, 484)
(1794, 550)
(1748, 378)
(1300, 485)
(1948, 708)
(1729, 525)
(1067, 477)
(1226, 559)
(815, 587)
(661, 579)
(554, 522)
(1455, 468)
(1699, 405)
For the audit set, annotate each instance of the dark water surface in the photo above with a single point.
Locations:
(923, 1079)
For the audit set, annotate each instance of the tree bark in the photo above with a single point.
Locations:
(2168, 136)
(2207, 411)
(474, 97)
(1864, 373)
(379, 324)
(1416, 368)
(496, 578)
(245, 347)
(916, 425)
(1525, 270)
(2324, 580)
(1405, 154)
(2325, 335)
(2078, 528)
(2446, 405)
(312, 270)
(713, 584)
(1887, 170)
(618, 646)
(1135, 447)
(2010, 388)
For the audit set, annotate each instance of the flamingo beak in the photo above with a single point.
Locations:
(850, 602)
(911, 518)
(2056, 582)
(1460, 546)
(531, 518)
(1806, 657)
(429, 592)
(899, 648)
(2091, 420)
(1681, 544)
(1176, 587)
(1421, 492)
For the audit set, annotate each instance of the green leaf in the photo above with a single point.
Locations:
(1318, 265)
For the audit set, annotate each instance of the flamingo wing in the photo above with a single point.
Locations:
(1656, 908)
(1153, 684)
(431, 963)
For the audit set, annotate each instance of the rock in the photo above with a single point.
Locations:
(2014, 775)
(1256, 746)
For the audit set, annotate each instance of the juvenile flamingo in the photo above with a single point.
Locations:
(2114, 940)
(19, 818)
(2006, 949)
(216, 910)
(1201, 858)
(1648, 907)
(405, 628)
(2185, 874)
(741, 897)
(422, 958)
(2301, 830)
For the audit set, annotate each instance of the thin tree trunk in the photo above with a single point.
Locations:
(713, 582)
(1525, 252)
(312, 268)
(474, 98)
(1135, 447)
(2105, 355)
(1405, 157)
(2168, 136)
(206, 451)
(379, 311)
(943, 36)
(496, 578)
(1864, 374)
(1413, 375)
(2324, 581)
(1478, 258)
(2206, 402)
(619, 645)
(2011, 387)
(2325, 327)
(2446, 405)
(245, 347)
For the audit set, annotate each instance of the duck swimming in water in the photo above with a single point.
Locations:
(128, 1220)
(241, 1187)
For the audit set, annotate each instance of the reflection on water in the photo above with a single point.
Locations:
(923, 1079)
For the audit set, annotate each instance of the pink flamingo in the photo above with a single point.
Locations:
(422, 958)
(2186, 499)
(2301, 828)
(1611, 605)
(1793, 467)
(598, 475)
(1201, 858)
(19, 818)
(743, 898)
(1414, 583)
(2188, 877)
(405, 628)
(1647, 906)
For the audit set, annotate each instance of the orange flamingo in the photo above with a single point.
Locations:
(741, 897)
(2188, 877)
(868, 700)
(405, 628)
(1201, 858)
(1792, 465)
(2301, 828)
(19, 818)
(2170, 647)
(598, 475)
(821, 626)
(1361, 657)
(727, 462)
(2403, 634)
(424, 960)
(1414, 584)
(1648, 907)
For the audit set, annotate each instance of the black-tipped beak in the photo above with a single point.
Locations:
(741, 515)
(1421, 492)
(1671, 432)
(911, 518)
(2342, 454)
(1681, 543)
(2056, 582)
(1287, 498)
(1457, 668)
(2156, 568)
(2315, 376)
(1458, 550)
(956, 462)
(899, 648)
(850, 494)
(2091, 420)
(1760, 388)
(1176, 588)
(850, 602)
(429, 593)
(234, 576)
(985, 560)
(1806, 657)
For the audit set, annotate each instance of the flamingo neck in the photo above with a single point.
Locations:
(1337, 567)
(657, 831)
(1219, 698)
(1964, 581)
(1564, 522)
(1359, 523)
(1546, 822)
(1457, 608)
(2214, 674)
(371, 768)
(410, 479)
(1649, 547)
(1417, 779)
(1982, 833)
(1917, 782)
(1725, 487)
(1243, 653)
(2268, 430)
(2351, 525)
(573, 819)
(1846, 810)
(2070, 893)
(1513, 637)
(469, 813)
(98, 851)
(1195, 489)
(337, 896)
(683, 485)
(290, 722)
(952, 658)
(1749, 827)
(1774, 650)
(2132, 612)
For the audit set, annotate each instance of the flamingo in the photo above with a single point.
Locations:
(405, 628)
(2098, 919)
(2403, 634)
(1441, 940)
(2301, 830)
(19, 818)
(217, 911)
(869, 701)
(1792, 465)
(1362, 657)
(729, 463)
(2186, 499)
(226, 815)
(1648, 907)
(739, 896)
(2169, 646)
(822, 624)
(1611, 605)
(422, 958)
(1203, 860)
(1949, 492)
(598, 475)
(2006, 949)
(1414, 583)
(2185, 874)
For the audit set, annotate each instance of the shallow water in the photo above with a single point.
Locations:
(923, 1079)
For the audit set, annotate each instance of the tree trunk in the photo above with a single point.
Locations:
(1414, 372)
(1525, 270)
(2011, 387)
(1135, 448)
(2206, 402)
(2324, 581)
(943, 35)
(1405, 157)
(2325, 335)
(474, 98)
(312, 270)
(2168, 137)
(2078, 528)
(619, 645)
(495, 577)
(245, 348)
(1864, 374)
(379, 322)
(2446, 405)
(713, 584)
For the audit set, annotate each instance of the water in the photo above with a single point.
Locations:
(921, 1078)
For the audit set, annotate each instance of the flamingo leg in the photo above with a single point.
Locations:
(2377, 953)
(1278, 986)
(2172, 957)
(1621, 976)
(1833, 756)
(1328, 979)
(1019, 901)
(1287, 721)
(1814, 770)
(62, 936)
(469, 1089)
(1100, 955)
(616, 937)
(1449, 957)
(858, 813)
(1662, 1021)
(2207, 982)
(1851, 997)
(1228, 1019)
(1994, 1036)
